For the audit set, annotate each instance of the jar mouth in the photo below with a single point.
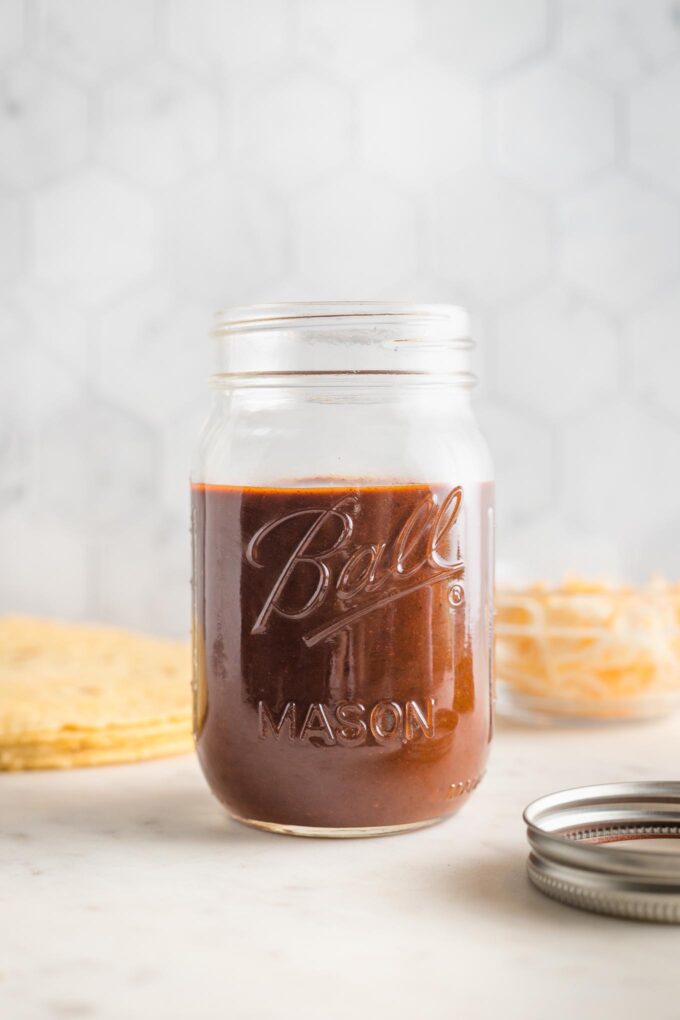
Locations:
(343, 337)
(446, 323)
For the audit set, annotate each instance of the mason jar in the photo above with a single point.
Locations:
(342, 519)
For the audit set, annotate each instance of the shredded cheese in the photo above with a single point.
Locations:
(588, 648)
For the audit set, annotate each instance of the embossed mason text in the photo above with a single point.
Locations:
(348, 723)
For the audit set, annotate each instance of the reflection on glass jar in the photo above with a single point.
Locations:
(342, 527)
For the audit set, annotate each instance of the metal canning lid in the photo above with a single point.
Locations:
(609, 849)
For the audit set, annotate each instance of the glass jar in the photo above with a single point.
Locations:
(342, 536)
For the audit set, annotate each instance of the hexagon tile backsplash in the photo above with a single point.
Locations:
(159, 158)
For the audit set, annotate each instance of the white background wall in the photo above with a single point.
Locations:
(159, 159)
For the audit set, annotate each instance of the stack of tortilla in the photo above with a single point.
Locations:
(73, 695)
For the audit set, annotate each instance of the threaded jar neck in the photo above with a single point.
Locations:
(341, 338)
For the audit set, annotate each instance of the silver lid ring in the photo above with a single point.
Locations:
(582, 848)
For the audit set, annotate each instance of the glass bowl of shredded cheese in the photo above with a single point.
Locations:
(588, 650)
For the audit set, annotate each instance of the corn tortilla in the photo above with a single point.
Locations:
(73, 694)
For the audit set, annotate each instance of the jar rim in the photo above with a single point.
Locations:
(338, 379)
(453, 319)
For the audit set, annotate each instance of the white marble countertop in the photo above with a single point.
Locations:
(125, 892)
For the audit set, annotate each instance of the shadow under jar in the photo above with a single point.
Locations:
(343, 570)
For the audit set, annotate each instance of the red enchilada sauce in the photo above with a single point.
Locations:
(342, 650)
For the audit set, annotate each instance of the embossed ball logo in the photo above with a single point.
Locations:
(354, 580)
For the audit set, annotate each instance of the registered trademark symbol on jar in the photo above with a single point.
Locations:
(456, 594)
